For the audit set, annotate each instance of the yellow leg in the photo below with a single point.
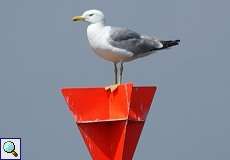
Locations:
(112, 87)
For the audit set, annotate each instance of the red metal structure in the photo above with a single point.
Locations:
(110, 122)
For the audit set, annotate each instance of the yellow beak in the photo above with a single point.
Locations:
(78, 18)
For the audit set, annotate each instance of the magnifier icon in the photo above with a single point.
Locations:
(9, 147)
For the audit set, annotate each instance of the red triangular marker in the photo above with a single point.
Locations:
(110, 123)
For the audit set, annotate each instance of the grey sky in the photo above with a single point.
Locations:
(42, 50)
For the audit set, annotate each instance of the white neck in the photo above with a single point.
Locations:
(97, 25)
(95, 33)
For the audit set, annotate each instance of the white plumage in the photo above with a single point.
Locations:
(119, 45)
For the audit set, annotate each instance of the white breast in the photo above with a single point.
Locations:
(98, 36)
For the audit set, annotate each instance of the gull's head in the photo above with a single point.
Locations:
(91, 16)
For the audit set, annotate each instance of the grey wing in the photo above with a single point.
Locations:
(133, 42)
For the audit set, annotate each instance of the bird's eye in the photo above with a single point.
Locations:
(91, 15)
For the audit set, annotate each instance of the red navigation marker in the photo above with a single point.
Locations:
(110, 122)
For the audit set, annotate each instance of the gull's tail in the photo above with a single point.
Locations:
(167, 44)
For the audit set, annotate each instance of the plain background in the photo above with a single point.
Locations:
(42, 50)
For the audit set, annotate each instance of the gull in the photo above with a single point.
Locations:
(119, 45)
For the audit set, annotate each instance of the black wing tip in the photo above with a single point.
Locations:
(177, 41)
(167, 44)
